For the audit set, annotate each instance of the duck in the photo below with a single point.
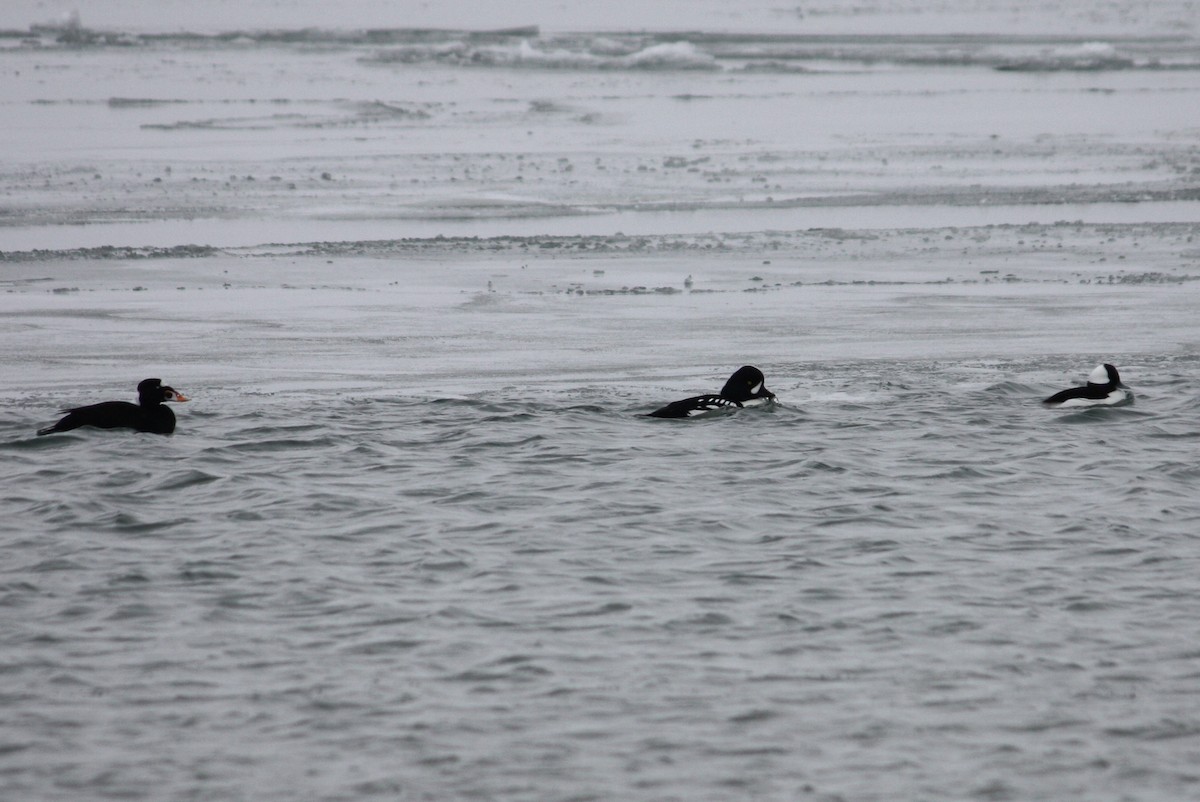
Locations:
(1104, 388)
(147, 415)
(746, 388)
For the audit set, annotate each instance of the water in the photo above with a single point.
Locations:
(414, 537)
(925, 588)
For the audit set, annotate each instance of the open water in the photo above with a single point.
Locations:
(414, 538)
(917, 585)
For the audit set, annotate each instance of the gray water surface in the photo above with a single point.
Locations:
(930, 589)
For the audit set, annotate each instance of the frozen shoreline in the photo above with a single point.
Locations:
(448, 316)
(62, 237)
(527, 206)
(241, 143)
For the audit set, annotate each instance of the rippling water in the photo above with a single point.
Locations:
(906, 581)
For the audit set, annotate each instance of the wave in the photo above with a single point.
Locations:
(528, 47)
(1087, 57)
(796, 53)
(594, 55)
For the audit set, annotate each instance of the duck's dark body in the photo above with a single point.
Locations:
(697, 405)
(746, 387)
(148, 415)
(117, 415)
(1090, 392)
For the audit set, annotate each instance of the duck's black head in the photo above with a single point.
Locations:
(745, 384)
(153, 391)
(1105, 376)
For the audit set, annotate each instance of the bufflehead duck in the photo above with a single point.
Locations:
(745, 388)
(1104, 388)
(147, 415)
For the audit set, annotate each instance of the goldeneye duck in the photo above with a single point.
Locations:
(745, 388)
(1104, 388)
(147, 415)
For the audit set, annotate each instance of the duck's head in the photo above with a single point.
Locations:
(746, 383)
(153, 391)
(1105, 376)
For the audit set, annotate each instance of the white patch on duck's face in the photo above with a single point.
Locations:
(754, 390)
(1098, 376)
